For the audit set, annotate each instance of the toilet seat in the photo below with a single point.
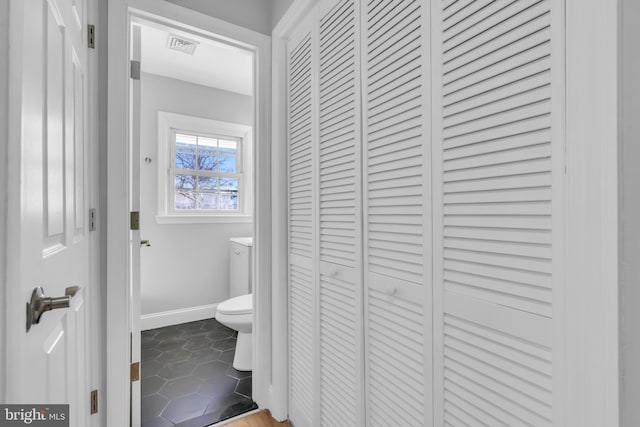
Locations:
(238, 305)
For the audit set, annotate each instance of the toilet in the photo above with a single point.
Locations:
(237, 312)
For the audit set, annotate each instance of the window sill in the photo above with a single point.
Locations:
(203, 219)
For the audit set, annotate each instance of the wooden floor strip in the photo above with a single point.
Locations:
(259, 419)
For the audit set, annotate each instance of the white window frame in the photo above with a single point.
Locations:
(171, 123)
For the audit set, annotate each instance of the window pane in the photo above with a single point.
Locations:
(185, 158)
(228, 185)
(228, 145)
(228, 202)
(185, 200)
(208, 201)
(199, 163)
(207, 160)
(228, 194)
(186, 140)
(206, 142)
(185, 182)
(185, 151)
(227, 163)
(207, 183)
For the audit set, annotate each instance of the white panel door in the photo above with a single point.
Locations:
(397, 194)
(48, 232)
(495, 163)
(303, 348)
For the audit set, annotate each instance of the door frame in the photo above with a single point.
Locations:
(590, 298)
(121, 12)
(4, 163)
(279, 198)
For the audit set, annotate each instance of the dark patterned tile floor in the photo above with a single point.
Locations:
(187, 377)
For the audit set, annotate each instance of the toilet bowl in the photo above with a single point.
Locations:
(237, 313)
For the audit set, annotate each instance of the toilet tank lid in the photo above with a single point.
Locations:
(238, 305)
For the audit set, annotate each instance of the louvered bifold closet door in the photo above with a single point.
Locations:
(302, 234)
(397, 213)
(340, 235)
(496, 167)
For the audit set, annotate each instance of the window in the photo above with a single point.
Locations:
(204, 170)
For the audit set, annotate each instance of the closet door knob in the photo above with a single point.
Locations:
(334, 271)
(390, 290)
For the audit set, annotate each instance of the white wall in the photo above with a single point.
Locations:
(187, 265)
(256, 15)
(278, 8)
(630, 216)
(4, 80)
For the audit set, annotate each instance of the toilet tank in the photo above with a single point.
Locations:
(240, 250)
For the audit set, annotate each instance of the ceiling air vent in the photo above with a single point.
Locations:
(181, 44)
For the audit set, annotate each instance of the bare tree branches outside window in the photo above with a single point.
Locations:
(207, 175)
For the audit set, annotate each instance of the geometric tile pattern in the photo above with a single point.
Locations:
(186, 376)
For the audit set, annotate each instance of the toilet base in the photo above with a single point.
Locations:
(242, 361)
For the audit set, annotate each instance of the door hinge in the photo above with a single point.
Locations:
(92, 219)
(91, 36)
(135, 70)
(134, 220)
(94, 402)
(135, 371)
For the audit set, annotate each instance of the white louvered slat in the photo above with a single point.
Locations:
(395, 139)
(515, 393)
(300, 149)
(339, 219)
(396, 211)
(495, 125)
(484, 19)
(338, 361)
(301, 232)
(509, 38)
(395, 338)
(300, 339)
(454, 13)
(339, 135)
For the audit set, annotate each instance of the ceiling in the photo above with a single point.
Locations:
(213, 64)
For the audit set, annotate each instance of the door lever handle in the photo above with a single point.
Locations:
(41, 303)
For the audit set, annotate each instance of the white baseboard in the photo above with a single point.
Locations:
(175, 317)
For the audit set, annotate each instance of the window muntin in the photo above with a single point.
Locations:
(206, 173)
(226, 154)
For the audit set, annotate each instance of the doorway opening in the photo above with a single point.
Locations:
(125, 164)
(192, 108)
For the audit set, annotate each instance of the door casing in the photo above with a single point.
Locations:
(121, 13)
(4, 135)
